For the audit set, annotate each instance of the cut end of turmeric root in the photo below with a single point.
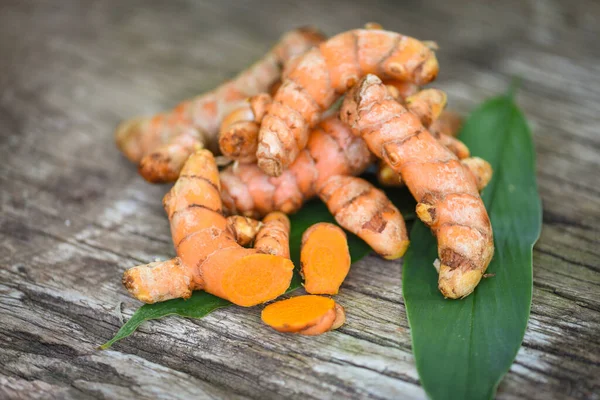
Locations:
(255, 279)
(325, 258)
(306, 315)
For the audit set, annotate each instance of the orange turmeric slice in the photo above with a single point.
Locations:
(325, 258)
(306, 315)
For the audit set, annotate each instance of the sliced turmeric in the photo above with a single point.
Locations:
(162, 143)
(305, 315)
(448, 199)
(314, 80)
(208, 256)
(325, 258)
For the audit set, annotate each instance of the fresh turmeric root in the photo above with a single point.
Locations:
(305, 315)
(332, 150)
(366, 211)
(274, 236)
(243, 229)
(208, 256)
(325, 258)
(480, 169)
(448, 199)
(314, 80)
(161, 144)
(238, 135)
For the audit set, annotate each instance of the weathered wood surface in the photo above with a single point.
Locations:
(75, 214)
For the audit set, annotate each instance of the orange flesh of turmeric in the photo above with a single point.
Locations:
(325, 258)
(208, 256)
(164, 141)
(316, 79)
(307, 315)
(447, 195)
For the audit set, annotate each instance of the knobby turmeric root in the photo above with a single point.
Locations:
(325, 258)
(162, 143)
(428, 105)
(243, 229)
(480, 169)
(332, 150)
(238, 135)
(274, 236)
(305, 315)
(313, 82)
(447, 195)
(208, 256)
(366, 211)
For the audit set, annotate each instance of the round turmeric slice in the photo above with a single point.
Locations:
(306, 315)
(325, 258)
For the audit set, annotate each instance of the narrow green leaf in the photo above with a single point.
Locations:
(201, 304)
(197, 306)
(463, 348)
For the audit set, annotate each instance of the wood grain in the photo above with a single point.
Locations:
(75, 214)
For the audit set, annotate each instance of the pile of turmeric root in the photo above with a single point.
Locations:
(303, 122)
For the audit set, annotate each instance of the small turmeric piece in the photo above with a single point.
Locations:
(274, 235)
(306, 315)
(161, 144)
(428, 105)
(243, 229)
(208, 256)
(447, 195)
(238, 135)
(325, 258)
(316, 79)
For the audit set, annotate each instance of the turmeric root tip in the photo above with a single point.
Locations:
(367, 212)
(306, 315)
(159, 281)
(325, 258)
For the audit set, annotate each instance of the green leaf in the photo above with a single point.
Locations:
(463, 348)
(197, 306)
(201, 304)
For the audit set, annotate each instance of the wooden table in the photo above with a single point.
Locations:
(75, 214)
